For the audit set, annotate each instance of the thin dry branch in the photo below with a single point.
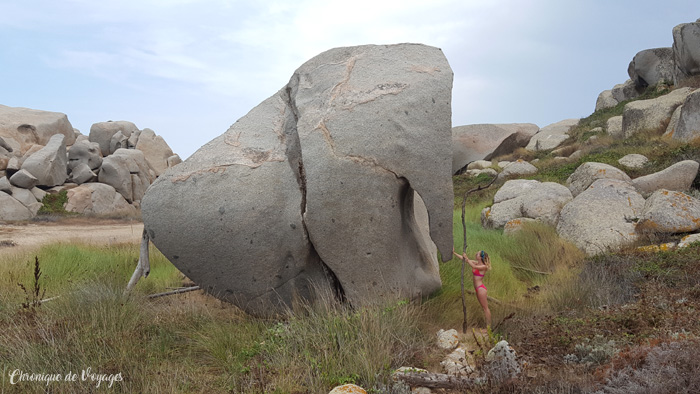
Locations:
(178, 291)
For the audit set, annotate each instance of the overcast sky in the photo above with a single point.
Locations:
(188, 69)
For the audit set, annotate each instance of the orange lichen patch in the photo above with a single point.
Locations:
(657, 248)
(487, 212)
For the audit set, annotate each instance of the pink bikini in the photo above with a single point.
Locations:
(476, 272)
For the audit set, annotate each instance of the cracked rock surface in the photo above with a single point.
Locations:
(340, 181)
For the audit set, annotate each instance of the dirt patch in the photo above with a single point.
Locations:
(16, 238)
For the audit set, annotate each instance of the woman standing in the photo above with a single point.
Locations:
(480, 266)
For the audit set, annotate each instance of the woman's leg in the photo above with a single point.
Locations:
(481, 296)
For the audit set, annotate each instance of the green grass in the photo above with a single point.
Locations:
(65, 267)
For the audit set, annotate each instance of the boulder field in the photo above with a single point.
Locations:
(41, 153)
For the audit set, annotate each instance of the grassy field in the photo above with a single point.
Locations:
(195, 343)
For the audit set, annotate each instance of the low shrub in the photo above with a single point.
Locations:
(666, 368)
(54, 204)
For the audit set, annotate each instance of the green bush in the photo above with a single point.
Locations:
(54, 203)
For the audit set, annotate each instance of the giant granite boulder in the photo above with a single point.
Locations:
(589, 172)
(155, 150)
(11, 209)
(485, 141)
(49, 164)
(677, 177)
(522, 198)
(85, 152)
(23, 127)
(549, 137)
(651, 66)
(601, 218)
(103, 132)
(686, 51)
(97, 199)
(318, 186)
(643, 115)
(128, 172)
(667, 211)
(626, 91)
(605, 100)
(688, 126)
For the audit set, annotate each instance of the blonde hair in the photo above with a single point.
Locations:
(486, 260)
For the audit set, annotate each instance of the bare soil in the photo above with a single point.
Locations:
(17, 237)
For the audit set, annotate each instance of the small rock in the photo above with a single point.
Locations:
(578, 154)
(348, 389)
(479, 165)
(634, 160)
(458, 363)
(518, 168)
(447, 339)
(689, 239)
(503, 163)
(488, 171)
(502, 363)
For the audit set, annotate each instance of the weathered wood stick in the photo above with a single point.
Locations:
(434, 380)
(178, 291)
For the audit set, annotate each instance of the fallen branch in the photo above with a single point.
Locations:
(531, 270)
(434, 380)
(178, 291)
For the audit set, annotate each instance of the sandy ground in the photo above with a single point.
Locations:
(26, 236)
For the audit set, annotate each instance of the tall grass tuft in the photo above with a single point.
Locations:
(328, 344)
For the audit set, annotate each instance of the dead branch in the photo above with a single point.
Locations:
(178, 291)
(434, 380)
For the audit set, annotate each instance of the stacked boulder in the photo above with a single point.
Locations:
(476, 142)
(40, 152)
(659, 67)
(602, 209)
